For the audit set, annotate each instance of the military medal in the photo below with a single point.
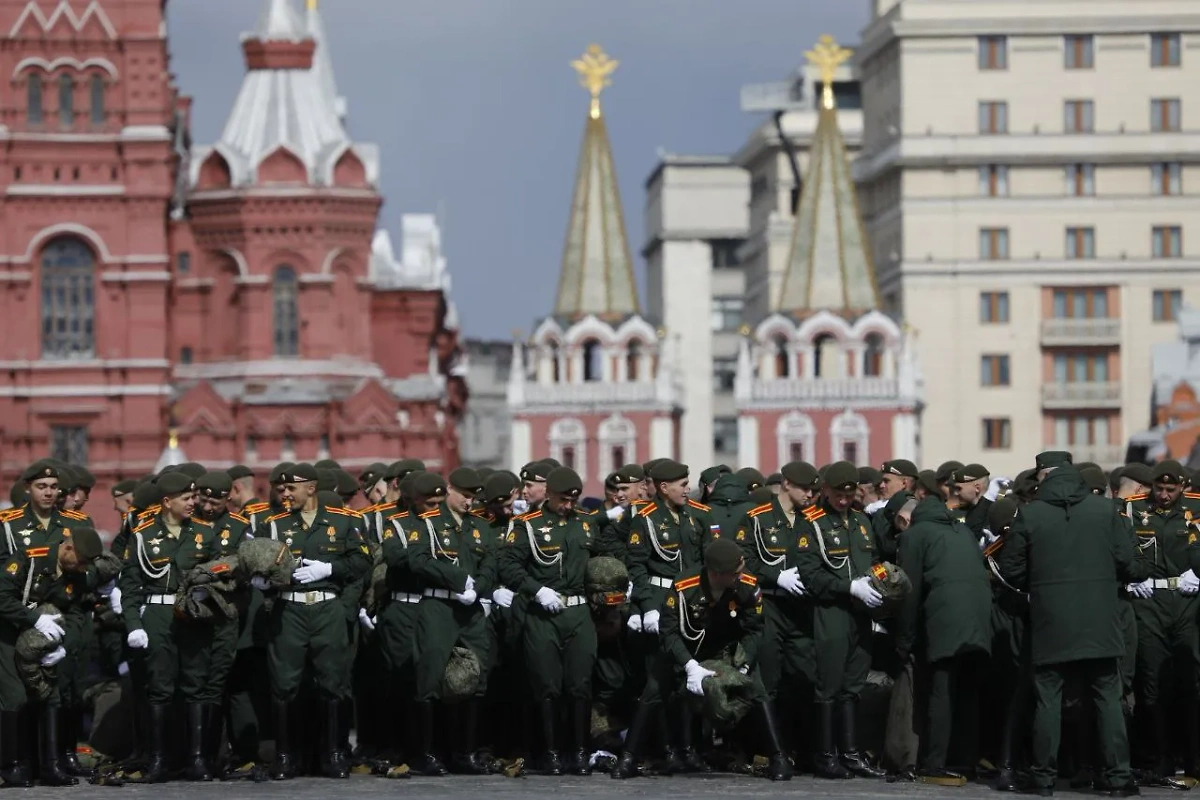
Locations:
(154, 550)
(446, 540)
(27, 540)
(546, 537)
(1145, 517)
(666, 536)
(774, 539)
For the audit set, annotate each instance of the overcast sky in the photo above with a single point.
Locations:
(479, 115)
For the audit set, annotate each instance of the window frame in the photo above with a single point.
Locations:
(1002, 427)
(1165, 305)
(1166, 50)
(1166, 115)
(1166, 241)
(1166, 179)
(992, 53)
(995, 307)
(1080, 244)
(993, 117)
(1079, 116)
(994, 244)
(995, 371)
(1079, 51)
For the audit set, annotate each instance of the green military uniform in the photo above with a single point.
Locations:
(662, 545)
(728, 503)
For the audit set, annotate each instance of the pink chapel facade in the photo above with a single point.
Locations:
(238, 294)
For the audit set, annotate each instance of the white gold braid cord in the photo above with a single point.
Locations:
(845, 563)
(400, 533)
(539, 556)
(759, 545)
(996, 571)
(686, 629)
(658, 550)
(28, 587)
(435, 546)
(152, 572)
(12, 543)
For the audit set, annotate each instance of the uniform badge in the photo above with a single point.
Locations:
(863, 528)
(331, 533)
(670, 599)
(666, 536)
(741, 536)
(545, 529)
(1145, 517)
(27, 541)
(199, 538)
(70, 590)
(412, 537)
(634, 539)
(511, 538)
(475, 534)
(586, 527)
(363, 547)
(1191, 538)
(803, 541)
(732, 608)
(12, 568)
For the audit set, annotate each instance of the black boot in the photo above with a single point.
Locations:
(467, 760)
(156, 770)
(285, 763)
(825, 759)
(14, 748)
(428, 764)
(672, 756)
(214, 720)
(852, 758)
(581, 723)
(779, 768)
(197, 768)
(333, 759)
(692, 762)
(552, 762)
(627, 766)
(51, 771)
(70, 721)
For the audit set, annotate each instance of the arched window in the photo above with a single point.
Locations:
(633, 359)
(873, 356)
(783, 359)
(593, 367)
(821, 366)
(555, 369)
(34, 98)
(796, 437)
(68, 300)
(66, 101)
(97, 89)
(287, 316)
(850, 438)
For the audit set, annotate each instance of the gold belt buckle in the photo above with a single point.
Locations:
(1173, 583)
(310, 598)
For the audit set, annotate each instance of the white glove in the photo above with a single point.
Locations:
(615, 513)
(260, 583)
(200, 594)
(312, 571)
(1144, 590)
(365, 619)
(745, 670)
(123, 668)
(650, 622)
(873, 507)
(520, 506)
(138, 639)
(995, 486)
(470, 584)
(863, 590)
(635, 623)
(52, 658)
(466, 598)
(1188, 583)
(114, 600)
(696, 675)
(47, 625)
(107, 589)
(548, 599)
(503, 597)
(789, 581)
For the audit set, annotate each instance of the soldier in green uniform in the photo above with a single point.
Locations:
(307, 624)
(55, 574)
(708, 480)
(533, 486)
(546, 561)
(948, 611)
(833, 562)
(122, 496)
(728, 503)
(454, 562)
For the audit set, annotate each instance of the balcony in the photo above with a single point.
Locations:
(1106, 455)
(825, 389)
(1082, 395)
(598, 393)
(1099, 332)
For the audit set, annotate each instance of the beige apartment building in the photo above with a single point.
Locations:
(1030, 183)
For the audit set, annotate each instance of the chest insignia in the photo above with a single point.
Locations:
(774, 529)
(732, 608)
(331, 533)
(545, 529)
(1145, 517)
(155, 542)
(27, 541)
(586, 527)
(12, 568)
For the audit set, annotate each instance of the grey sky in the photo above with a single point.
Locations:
(478, 112)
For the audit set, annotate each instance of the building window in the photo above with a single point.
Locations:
(997, 433)
(97, 87)
(727, 313)
(783, 358)
(796, 451)
(1078, 52)
(1081, 243)
(724, 253)
(725, 434)
(185, 355)
(993, 244)
(1081, 431)
(993, 117)
(994, 371)
(618, 456)
(993, 52)
(287, 315)
(633, 360)
(66, 101)
(851, 436)
(1078, 116)
(822, 356)
(1167, 241)
(1081, 180)
(1080, 368)
(993, 307)
(618, 438)
(1167, 304)
(850, 452)
(993, 180)
(873, 356)
(555, 368)
(568, 444)
(1080, 303)
(251, 448)
(593, 361)
(1164, 50)
(183, 263)
(1166, 179)
(68, 300)
(34, 98)
(1165, 115)
(724, 374)
(69, 443)
(795, 433)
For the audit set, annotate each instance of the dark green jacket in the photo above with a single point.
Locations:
(1071, 552)
(728, 503)
(950, 607)
(550, 550)
(444, 552)
(734, 618)
(336, 537)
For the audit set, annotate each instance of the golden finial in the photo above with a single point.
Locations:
(595, 69)
(827, 56)
(312, 5)
(173, 439)
(744, 330)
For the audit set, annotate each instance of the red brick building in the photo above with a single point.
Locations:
(238, 293)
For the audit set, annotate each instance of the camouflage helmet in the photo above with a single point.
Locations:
(607, 582)
(728, 695)
(893, 584)
(461, 679)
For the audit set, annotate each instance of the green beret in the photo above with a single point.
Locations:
(553, 463)
(327, 463)
(966, 474)
(372, 474)
(1169, 471)
(278, 471)
(536, 472)
(612, 481)
(214, 484)
(330, 499)
(1094, 479)
(239, 471)
(668, 470)
(68, 478)
(1138, 472)
(762, 494)
(722, 556)
(484, 472)
(18, 495)
(146, 495)
(947, 470)
(405, 483)
(775, 479)
(927, 478)
(751, 477)
(711, 474)
(87, 543)
(165, 470)
(466, 480)
(564, 480)
(1051, 458)
(192, 469)
(346, 485)
(899, 466)
(1082, 465)
(398, 469)
(326, 479)
(124, 487)
(498, 488)
(802, 474)
(634, 472)
(894, 504)
(300, 473)
(1001, 514)
(429, 484)
(175, 483)
(86, 479)
(842, 476)
(869, 475)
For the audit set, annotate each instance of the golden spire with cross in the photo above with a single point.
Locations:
(312, 5)
(595, 69)
(827, 56)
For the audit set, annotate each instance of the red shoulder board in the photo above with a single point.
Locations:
(640, 502)
(280, 515)
(37, 552)
(198, 521)
(11, 514)
(143, 526)
(485, 514)
(1135, 497)
(150, 511)
(687, 583)
(345, 512)
(993, 548)
(399, 515)
(748, 579)
(238, 517)
(648, 510)
(696, 504)
(77, 515)
(813, 513)
(255, 508)
(529, 515)
(1192, 495)
(764, 508)
(429, 514)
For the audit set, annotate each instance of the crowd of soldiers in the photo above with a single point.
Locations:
(491, 621)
